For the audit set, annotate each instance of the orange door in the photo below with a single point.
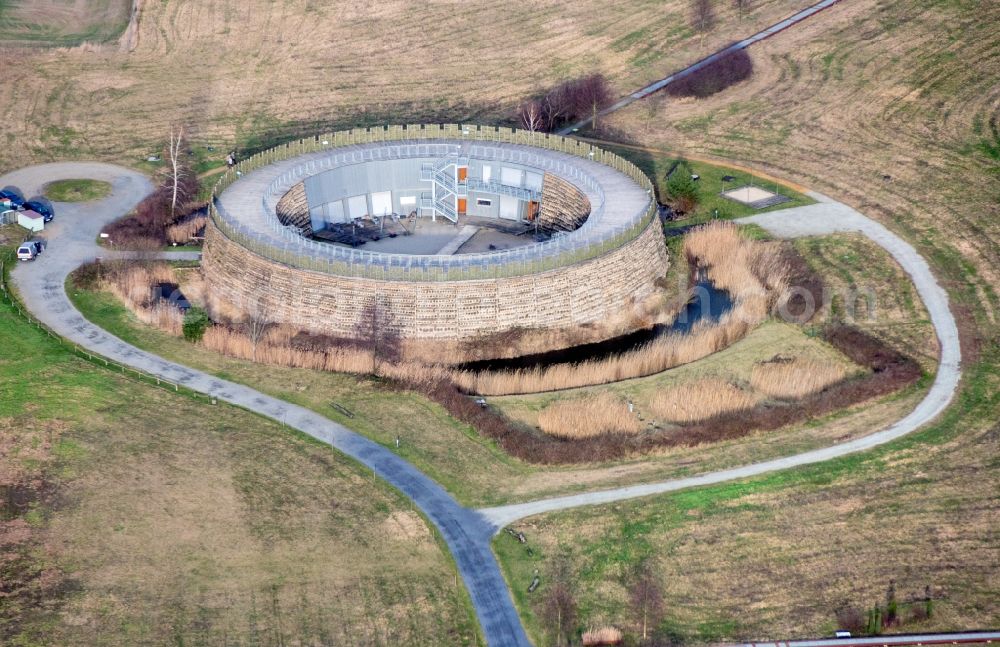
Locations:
(463, 172)
(462, 204)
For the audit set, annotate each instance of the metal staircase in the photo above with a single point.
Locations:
(446, 188)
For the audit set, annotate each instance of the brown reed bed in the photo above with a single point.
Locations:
(791, 378)
(602, 637)
(889, 371)
(701, 400)
(602, 413)
(185, 231)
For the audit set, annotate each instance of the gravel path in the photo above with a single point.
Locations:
(71, 239)
(825, 217)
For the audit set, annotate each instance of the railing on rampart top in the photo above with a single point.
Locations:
(410, 268)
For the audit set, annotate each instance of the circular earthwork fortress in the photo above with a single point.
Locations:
(457, 231)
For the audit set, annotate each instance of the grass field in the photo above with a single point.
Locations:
(49, 23)
(76, 190)
(710, 185)
(892, 108)
(247, 73)
(776, 556)
(195, 524)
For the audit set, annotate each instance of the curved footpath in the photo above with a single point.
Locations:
(468, 533)
(71, 242)
(827, 216)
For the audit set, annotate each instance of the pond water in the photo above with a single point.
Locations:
(707, 302)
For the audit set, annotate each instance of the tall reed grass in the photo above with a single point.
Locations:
(602, 637)
(795, 378)
(133, 284)
(587, 417)
(183, 232)
(701, 400)
(752, 272)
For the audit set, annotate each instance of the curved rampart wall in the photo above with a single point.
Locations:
(293, 209)
(563, 208)
(581, 293)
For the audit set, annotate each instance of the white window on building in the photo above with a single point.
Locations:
(487, 173)
(335, 212)
(484, 202)
(510, 176)
(357, 206)
(382, 203)
(533, 181)
(407, 200)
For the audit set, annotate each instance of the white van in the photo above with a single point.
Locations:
(29, 250)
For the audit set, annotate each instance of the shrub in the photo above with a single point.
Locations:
(682, 191)
(851, 619)
(599, 414)
(196, 321)
(715, 77)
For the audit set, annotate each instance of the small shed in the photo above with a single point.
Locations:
(7, 216)
(31, 220)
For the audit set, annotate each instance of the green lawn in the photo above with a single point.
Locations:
(710, 185)
(76, 190)
(148, 517)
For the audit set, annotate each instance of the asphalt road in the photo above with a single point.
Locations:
(468, 533)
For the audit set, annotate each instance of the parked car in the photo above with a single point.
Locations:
(40, 207)
(16, 201)
(30, 250)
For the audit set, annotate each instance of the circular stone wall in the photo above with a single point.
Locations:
(258, 259)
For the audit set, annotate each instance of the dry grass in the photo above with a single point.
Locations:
(585, 418)
(602, 636)
(700, 400)
(875, 133)
(101, 103)
(183, 232)
(794, 378)
(232, 343)
(132, 283)
(751, 271)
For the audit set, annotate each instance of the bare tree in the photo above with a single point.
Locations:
(741, 6)
(555, 107)
(559, 606)
(257, 314)
(654, 102)
(178, 171)
(702, 17)
(646, 597)
(256, 322)
(590, 95)
(376, 331)
(530, 114)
